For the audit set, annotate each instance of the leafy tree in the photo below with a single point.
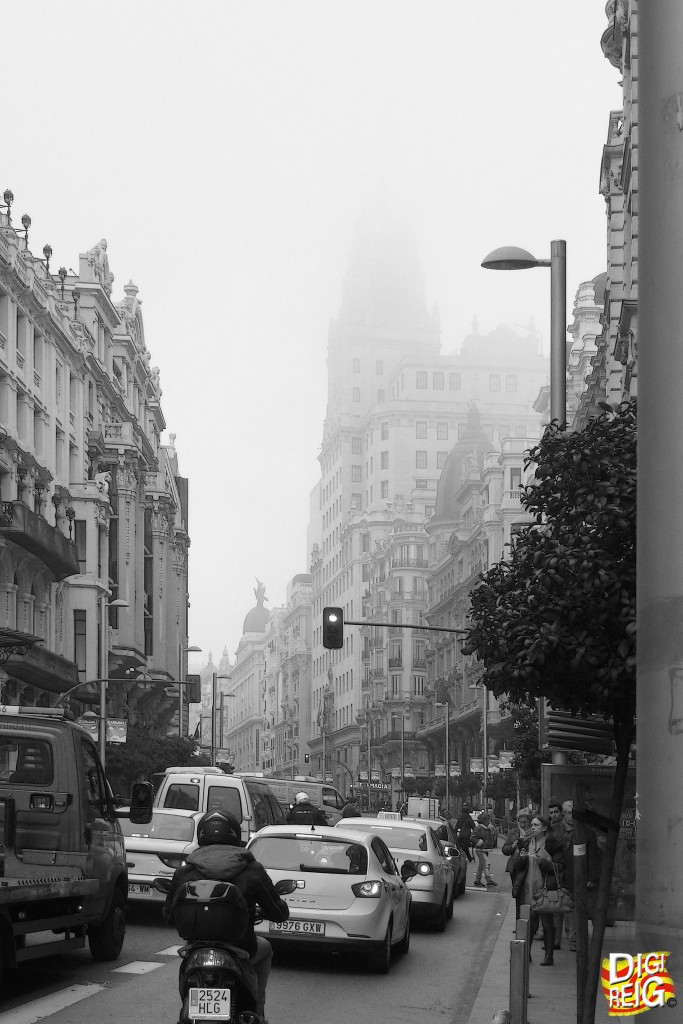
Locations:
(558, 619)
(144, 753)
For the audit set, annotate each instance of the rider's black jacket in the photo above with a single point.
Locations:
(236, 865)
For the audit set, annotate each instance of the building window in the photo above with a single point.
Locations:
(396, 686)
(384, 460)
(511, 382)
(379, 367)
(437, 381)
(421, 379)
(355, 394)
(429, 511)
(384, 493)
(454, 381)
(365, 542)
(381, 395)
(441, 459)
(420, 460)
(418, 685)
(422, 484)
(520, 430)
(356, 445)
(79, 538)
(356, 500)
(384, 431)
(80, 641)
(494, 382)
(420, 429)
(504, 430)
(356, 365)
(442, 431)
(356, 474)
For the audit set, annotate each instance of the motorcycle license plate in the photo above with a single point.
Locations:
(209, 1003)
(299, 927)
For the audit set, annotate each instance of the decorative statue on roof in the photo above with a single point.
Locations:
(260, 591)
(99, 261)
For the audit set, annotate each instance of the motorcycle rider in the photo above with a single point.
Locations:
(304, 812)
(221, 857)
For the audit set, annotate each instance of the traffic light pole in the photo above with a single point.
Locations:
(405, 625)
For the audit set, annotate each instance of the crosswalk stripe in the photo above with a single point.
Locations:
(37, 1009)
(137, 967)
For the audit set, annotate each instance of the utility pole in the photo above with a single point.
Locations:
(659, 762)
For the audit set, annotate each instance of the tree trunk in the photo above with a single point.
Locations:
(624, 732)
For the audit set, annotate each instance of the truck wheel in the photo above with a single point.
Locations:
(106, 939)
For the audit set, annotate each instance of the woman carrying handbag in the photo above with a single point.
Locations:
(544, 858)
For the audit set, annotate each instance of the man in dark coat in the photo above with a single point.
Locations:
(305, 813)
(221, 857)
(465, 827)
(350, 810)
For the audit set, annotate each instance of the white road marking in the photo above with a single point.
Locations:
(47, 1005)
(136, 967)
(170, 951)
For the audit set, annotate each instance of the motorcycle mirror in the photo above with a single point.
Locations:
(162, 884)
(408, 869)
(285, 886)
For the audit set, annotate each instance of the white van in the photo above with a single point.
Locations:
(321, 794)
(251, 800)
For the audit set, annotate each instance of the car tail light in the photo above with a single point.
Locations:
(209, 957)
(171, 860)
(371, 889)
(424, 868)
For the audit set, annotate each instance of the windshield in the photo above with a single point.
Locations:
(395, 838)
(162, 826)
(295, 853)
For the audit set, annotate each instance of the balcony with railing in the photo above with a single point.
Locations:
(31, 531)
(395, 662)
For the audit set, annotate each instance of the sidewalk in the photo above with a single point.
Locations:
(553, 989)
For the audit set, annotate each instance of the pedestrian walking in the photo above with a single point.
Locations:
(557, 829)
(516, 840)
(464, 828)
(482, 842)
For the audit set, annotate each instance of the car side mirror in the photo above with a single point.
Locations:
(408, 870)
(450, 850)
(141, 803)
(284, 886)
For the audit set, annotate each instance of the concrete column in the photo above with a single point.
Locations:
(659, 893)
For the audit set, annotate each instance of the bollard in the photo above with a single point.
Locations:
(519, 960)
(501, 1017)
(523, 932)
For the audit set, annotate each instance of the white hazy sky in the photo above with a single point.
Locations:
(225, 148)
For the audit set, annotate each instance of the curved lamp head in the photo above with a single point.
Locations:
(510, 257)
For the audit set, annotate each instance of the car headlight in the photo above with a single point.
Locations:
(371, 889)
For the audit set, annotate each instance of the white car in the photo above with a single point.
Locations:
(349, 896)
(433, 884)
(157, 849)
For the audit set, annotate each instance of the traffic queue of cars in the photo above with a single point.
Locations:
(360, 884)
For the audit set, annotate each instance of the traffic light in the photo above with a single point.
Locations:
(193, 689)
(307, 758)
(333, 628)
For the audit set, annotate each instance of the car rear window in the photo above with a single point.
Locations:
(224, 798)
(395, 838)
(295, 853)
(182, 796)
(25, 760)
(162, 826)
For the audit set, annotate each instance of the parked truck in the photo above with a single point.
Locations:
(63, 876)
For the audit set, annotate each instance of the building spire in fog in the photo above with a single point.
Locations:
(384, 284)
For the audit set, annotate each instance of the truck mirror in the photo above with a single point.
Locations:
(141, 803)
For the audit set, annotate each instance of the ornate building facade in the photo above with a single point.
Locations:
(94, 534)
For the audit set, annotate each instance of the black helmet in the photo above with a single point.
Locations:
(219, 828)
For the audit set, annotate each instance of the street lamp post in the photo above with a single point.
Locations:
(509, 257)
(214, 693)
(104, 669)
(183, 651)
(447, 708)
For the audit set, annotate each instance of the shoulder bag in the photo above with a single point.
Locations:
(553, 901)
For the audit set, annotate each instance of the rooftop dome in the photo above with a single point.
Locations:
(473, 446)
(258, 618)
(600, 284)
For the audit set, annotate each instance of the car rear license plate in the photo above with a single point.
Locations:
(299, 927)
(209, 1003)
(139, 889)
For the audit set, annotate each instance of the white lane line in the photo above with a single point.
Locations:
(37, 1009)
(170, 951)
(136, 967)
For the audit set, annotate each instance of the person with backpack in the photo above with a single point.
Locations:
(464, 828)
(305, 813)
(220, 856)
(482, 842)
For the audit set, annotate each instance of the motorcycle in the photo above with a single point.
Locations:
(215, 979)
